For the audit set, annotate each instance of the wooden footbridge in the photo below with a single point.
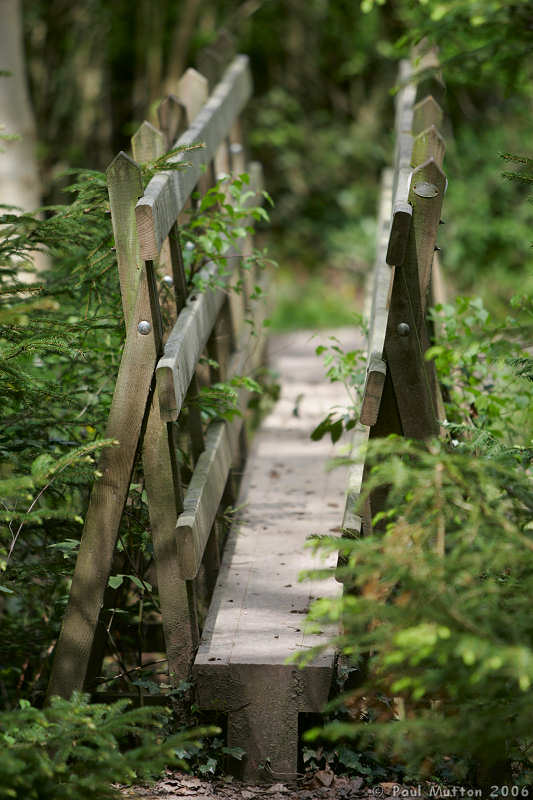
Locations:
(232, 607)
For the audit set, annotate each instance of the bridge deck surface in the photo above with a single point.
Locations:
(257, 615)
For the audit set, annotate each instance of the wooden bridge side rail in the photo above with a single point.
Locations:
(398, 223)
(410, 153)
(135, 412)
(166, 194)
(223, 448)
(401, 210)
(352, 522)
(162, 482)
(401, 393)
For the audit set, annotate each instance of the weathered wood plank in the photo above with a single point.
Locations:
(167, 192)
(108, 496)
(255, 617)
(124, 184)
(406, 338)
(193, 89)
(382, 278)
(203, 498)
(401, 210)
(426, 196)
(179, 623)
(428, 144)
(171, 115)
(428, 72)
(205, 492)
(375, 380)
(426, 113)
(148, 143)
(185, 345)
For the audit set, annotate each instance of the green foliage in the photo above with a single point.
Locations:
(476, 358)
(435, 618)
(74, 750)
(439, 602)
(302, 300)
(216, 227)
(346, 368)
(480, 42)
(60, 348)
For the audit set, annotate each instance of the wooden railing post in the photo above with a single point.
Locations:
(165, 498)
(128, 407)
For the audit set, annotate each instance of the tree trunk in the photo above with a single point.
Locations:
(20, 183)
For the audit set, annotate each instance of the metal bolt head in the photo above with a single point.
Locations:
(425, 189)
(168, 280)
(235, 148)
(189, 246)
(403, 329)
(144, 327)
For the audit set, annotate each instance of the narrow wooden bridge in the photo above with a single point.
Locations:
(178, 342)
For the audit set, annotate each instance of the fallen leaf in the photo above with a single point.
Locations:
(389, 788)
(325, 777)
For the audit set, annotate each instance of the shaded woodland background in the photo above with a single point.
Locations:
(320, 121)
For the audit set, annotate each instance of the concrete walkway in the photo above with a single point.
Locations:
(257, 616)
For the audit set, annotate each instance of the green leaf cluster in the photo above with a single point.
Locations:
(75, 750)
(435, 619)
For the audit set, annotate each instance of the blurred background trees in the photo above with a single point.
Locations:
(321, 117)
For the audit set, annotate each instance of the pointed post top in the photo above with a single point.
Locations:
(172, 116)
(193, 90)
(122, 164)
(147, 143)
(428, 144)
(425, 113)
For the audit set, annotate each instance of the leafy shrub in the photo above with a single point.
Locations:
(440, 603)
(436, 615)
(74, 750)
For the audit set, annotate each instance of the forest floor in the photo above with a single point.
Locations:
(321, 785)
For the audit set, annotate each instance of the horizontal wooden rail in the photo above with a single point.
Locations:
(167, 193)
(383, 278)
(401, 209)
(207, 485)
(185, 345)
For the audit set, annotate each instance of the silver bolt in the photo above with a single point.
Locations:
(189, 246)
(221, 176)
(425, 189)
(144, 327)
(235, 148)
(168, 280)
(403, 329)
